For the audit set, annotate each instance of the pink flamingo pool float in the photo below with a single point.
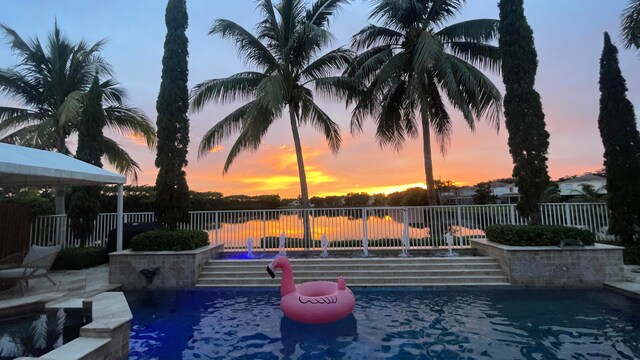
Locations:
(314, 302)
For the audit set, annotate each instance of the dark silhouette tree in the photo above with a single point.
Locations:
(528, 138)
(84, 206)
(172, 191)
(619, 133)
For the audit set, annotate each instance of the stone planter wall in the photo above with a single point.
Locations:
(177, 269)
(550, 266)
(105, 338)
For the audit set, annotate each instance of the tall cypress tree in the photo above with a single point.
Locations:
(619, 133)
(84, 206)
(172, 191)
(528, 138)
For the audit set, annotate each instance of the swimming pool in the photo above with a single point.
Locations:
(441, 323)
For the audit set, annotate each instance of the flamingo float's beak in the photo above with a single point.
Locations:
(271, 270)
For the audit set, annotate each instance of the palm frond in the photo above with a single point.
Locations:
(120, 159)
(328, 64)
(373, 35)
(69, 111)
(477, 54)
(130, 120)
(225, 128)
(241, 86)
(434, 112)
(322, 122)
(477, 30)
(16, 85)
(11, 117)
(339, 88)
(37, 136)
(442, 10)
(368, 63)
(248, 46)
(322, 10)
(273, 92)
(471, 91)
(112, 92)
(630, 25)
(268, 28)
(256, 124)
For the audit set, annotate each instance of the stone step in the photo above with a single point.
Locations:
(349, 267)
(348, 273)
(387, 261)
(408, 284)
(371, 271)
(364, 281)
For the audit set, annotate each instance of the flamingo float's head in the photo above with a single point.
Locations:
(277, 263)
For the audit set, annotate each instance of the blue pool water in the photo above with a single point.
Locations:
(389, 324)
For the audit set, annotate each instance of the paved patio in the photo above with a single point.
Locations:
(72, 287)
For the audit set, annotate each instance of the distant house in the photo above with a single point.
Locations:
(460, 196)
(507, 193)
(574, 187)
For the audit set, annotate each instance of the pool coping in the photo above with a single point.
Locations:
(105, 337)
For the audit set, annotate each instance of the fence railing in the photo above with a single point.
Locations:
(379, 227)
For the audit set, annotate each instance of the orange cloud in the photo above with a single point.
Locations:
(136, 139)
(216, 149)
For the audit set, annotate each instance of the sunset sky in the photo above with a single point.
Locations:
(568, 37)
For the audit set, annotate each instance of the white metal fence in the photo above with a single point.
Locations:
(380, 227)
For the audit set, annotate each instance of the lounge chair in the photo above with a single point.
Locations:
(35, 264)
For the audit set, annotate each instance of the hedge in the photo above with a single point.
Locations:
(164, 240)
(631, 254)
(80, 258)
(537, 235)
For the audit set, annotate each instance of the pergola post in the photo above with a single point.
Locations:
(120, 218)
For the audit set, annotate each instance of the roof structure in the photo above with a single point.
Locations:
(23, 166)
(583, 178)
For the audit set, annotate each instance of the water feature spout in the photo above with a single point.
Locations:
(250, 248)
(449, 239)
(365, 247)
(324, 243)
(282, 251)
(405, 242)
(149, 273)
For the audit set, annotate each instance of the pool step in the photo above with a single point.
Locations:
(413, 271)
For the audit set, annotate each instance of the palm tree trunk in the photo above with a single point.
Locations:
(61, 190)
(428, 163)
(304, 192)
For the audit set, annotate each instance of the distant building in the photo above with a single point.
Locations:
(460, 196)
(574, 186)
(506, 193)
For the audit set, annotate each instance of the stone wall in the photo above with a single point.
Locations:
(550, 266)
(176, 269)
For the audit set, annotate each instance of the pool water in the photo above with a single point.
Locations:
(396, 323)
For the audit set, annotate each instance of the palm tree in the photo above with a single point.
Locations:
(411, 62)
(50, 83)
(287, 51)
(630, 25)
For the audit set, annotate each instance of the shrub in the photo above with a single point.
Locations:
(631, 255)
(164, 240)
(537, 235)
(80, 258)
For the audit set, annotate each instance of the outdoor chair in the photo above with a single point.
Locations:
(35, 264)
